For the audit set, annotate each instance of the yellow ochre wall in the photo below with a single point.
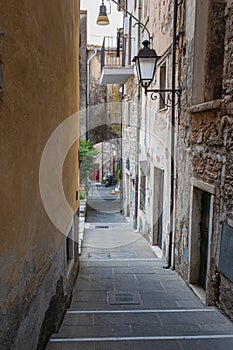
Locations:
(39, 51)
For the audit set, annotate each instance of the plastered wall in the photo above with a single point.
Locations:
(40, 63)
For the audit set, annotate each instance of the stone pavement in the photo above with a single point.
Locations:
(125, 300)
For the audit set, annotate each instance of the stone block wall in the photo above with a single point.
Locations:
(215, 51)
(205, 143)
(226, 286)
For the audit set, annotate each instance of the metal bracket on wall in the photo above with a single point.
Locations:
(168, 97)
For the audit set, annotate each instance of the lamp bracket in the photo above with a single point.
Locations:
(168, 96)
(141, 25)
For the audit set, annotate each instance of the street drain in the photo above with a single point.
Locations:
(101, 226)
(123, 298)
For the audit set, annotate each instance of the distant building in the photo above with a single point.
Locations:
(99, 116)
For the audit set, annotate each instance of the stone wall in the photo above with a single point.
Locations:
(39, 55)
(215, 51)
(98, 93)
(226, 286)
(205, 141)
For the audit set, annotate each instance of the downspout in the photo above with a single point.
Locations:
(88, 76)
(121, 152)
(88, 91)
(135, 219)
(173, 114)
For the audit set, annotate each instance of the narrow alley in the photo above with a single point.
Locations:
(116, 177)
(125, 299)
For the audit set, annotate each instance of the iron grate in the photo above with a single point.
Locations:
(101, 226)
(124, 298)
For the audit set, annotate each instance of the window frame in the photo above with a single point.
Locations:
(142, 198)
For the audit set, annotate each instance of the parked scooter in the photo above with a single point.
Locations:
(109, 180)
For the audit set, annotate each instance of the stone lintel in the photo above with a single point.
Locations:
(206, 106)
(204, 186)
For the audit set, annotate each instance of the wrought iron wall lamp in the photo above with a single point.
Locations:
(146, 60)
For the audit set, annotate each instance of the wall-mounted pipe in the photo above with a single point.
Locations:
(88, 75)
(88, 91)
(171, 261)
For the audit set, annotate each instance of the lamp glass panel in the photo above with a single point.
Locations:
(147, 69)
(102, 20)
(138, 70)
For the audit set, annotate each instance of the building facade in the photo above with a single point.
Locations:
(100, 121)
(177, 162)
(39, 91)
(203, 248)
(154, 217)
(147, 180)
(195, 236)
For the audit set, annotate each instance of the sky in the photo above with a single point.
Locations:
(96, 33)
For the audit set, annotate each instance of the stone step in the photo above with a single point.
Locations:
(144, 343)
(163, 323)
(122, 226)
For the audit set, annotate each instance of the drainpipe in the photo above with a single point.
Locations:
(121, 152)
(173, 114)
(135, 219)
(88, 91)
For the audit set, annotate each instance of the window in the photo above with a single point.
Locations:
(215, 51)
(208, 53)
(143, 192)
(70, 246)
(162, 83)
(200, 236)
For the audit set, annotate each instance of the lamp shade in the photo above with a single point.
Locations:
(103, 17)
(145, 63)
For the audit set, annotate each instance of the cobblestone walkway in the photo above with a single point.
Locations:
(125, 300)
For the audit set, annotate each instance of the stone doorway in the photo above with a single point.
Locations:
(200, 235)
(158, 207)
(204, 238)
